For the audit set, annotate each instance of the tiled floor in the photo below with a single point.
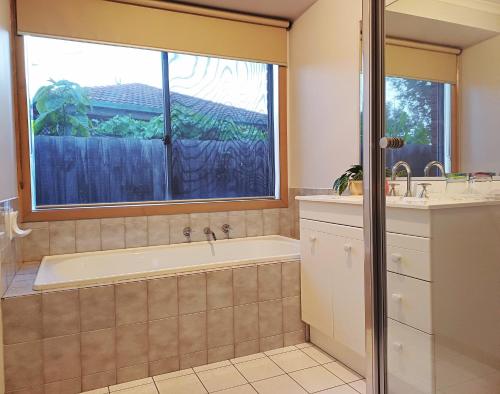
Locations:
(292, 370)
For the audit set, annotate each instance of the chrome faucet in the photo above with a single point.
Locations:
(187, 233)
(433, 163)
(225, 229)
(406, 166)
(209, 233)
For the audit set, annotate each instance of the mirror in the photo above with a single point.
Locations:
(443, 83)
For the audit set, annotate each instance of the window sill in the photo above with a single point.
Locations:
(173, 208)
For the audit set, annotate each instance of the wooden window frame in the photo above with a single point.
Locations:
(29, 214)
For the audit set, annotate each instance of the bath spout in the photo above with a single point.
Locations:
(210, 234)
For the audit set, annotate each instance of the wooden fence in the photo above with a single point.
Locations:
(73, 170)
(416, 155)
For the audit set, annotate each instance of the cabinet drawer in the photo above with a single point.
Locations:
(409, 359)
(409, 301)
(408, 255)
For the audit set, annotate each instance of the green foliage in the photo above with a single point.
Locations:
(62, 107)
(355, 173)
(124, 126)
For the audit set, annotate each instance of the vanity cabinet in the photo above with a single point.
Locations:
(439, 317)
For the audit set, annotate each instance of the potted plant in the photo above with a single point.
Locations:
(352, 179)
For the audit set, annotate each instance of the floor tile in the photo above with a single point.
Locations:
(259, 369)
(303, 345)
(247, 358)
(318, 355)
(293, 361)
(359, 386)
(221, 378)
(97, 391)
(133, 383)
(188, 384)
(219, 364)
(345, 389)
(344, 373)
(280, 350)
(278, 385)
(315, 379)
(175, 374)
(245, 389)
(144, 389)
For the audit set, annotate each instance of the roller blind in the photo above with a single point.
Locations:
(419, 63)
(155, 27)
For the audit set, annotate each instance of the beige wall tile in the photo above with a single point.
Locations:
(61, 358)
(269, 277)
(254, 223)
(98, 351)
(97, 307)
(271, 219)
(219, 288)
(113, 233)
(285, 222)
(220, 353)
(98, 380)
(133, 372)
(62, 237)
(177, 225)
(220, 327)
(237, 223)
(163, 338)
(70, 386)
(23, 365)
(131, 344)
(246, 322)
(165, 365)
(88, 235)
(193, 359)
(198, 223)
(60, 313)
(158, 230)
(216, 221)
(131, 302)
(294, 338)
(36, 245)
(162, 298)
(270, 318)
(270, 343)
(192, 293)
(291, 314)
(245, 285)
(291, 279)
(22, 319)
(192, 333)
(246, 348)
(136, 231)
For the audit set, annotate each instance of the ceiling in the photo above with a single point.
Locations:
(283, 9)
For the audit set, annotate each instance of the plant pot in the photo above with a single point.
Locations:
(356, 188)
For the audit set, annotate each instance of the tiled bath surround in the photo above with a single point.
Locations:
(74, 340)
(10, 250)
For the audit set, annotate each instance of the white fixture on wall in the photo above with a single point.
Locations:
(12, 227)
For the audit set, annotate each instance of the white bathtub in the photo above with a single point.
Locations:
(106, 267)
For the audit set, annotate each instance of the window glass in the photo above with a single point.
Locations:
(112, 124)
(419, 112)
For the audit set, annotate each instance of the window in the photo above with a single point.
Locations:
(113, 125)
(419, 111)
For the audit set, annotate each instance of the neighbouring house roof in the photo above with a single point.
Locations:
(143, 101)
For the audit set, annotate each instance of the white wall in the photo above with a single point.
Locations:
(8, 176)
(324, 93)
(480, 107)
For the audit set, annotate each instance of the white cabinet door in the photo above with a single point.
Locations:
(316, 278)
(348, 292)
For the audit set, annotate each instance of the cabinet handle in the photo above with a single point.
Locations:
(347, 248)
(398, 346)
(397, 297)
(396, 258)
(312, 238)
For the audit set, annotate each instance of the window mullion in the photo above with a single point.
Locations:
(167, 126)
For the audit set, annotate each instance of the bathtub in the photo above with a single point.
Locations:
(107, 267)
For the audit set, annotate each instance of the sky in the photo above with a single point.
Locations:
(237, 83)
